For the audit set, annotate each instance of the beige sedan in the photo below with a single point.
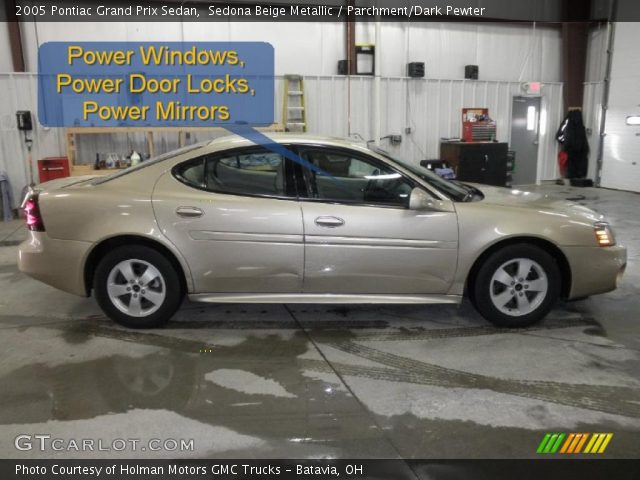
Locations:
(309, 220)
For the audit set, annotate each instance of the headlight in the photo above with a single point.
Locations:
(604, 234)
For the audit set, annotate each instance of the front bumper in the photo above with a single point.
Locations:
(595, 269)
(59, 263)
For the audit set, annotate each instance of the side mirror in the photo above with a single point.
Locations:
(421, 200)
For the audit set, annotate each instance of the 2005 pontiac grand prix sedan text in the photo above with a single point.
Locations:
(230, 221)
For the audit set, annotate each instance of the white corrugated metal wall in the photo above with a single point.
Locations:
(506, 53)
(620, 168)
(18, 91)
(431, 108)
(621, 152)
(593, 91)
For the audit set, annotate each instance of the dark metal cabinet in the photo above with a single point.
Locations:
(478, 162)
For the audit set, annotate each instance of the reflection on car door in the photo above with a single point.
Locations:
(233, 219)
(361, 237)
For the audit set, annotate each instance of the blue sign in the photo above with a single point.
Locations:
(139, 84)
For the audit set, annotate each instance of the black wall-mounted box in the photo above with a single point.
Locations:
(471, 72)
(415, 69)
(23, 118)
(343, 67)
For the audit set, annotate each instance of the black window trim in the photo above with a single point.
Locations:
(288, 177)
(293, 173)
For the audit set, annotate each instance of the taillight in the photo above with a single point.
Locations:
(32, 212)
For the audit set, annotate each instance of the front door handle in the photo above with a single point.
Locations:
(330, 222)
(189, 212)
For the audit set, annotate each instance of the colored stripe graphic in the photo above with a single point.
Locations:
(556, 445)
(567, 443)
(550, 443)
(573, 443)
(594, 437)
(598, 442)
(606, 441)
(583, 439)
(543, 443)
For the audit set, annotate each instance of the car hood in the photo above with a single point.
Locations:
(535, 201)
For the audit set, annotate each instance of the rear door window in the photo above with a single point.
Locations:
(254, 173)
(245, 172)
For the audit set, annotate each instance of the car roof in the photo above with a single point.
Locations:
(228, 142)
(234, 141)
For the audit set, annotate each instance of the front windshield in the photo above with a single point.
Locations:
(454, 191)
(152, 161)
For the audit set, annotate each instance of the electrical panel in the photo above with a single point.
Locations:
(365, 59)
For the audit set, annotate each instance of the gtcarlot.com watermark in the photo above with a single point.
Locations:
(47, 443)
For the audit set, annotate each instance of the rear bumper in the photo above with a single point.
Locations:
(595, 269)
(59, 263)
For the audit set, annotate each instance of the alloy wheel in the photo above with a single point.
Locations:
(518, 287)
(136, 287)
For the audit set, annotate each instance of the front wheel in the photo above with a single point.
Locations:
(517, 286)
(137, 287)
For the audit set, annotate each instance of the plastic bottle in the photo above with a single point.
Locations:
(135, 158)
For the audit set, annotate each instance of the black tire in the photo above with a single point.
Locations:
(483, 287)
(172, 287)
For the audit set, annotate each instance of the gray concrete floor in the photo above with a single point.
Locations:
(254, 381)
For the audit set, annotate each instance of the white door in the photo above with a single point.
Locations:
(621, 159)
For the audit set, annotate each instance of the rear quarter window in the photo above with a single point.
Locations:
(191, 173)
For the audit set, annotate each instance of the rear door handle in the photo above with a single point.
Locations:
(330, 222)
(189, 212)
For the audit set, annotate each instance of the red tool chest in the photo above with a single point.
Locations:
(477, 126)
(51, 168)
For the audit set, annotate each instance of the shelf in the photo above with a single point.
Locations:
(148, 131)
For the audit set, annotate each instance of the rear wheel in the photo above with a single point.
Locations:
(517, 286)
(137, 287)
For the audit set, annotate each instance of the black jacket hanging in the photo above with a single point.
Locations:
(572, 135)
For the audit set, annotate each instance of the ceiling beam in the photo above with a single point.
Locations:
(575, 42)
(15, 38)
(350, 41)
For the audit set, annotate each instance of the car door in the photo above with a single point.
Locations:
(233, 218)
(360, 235)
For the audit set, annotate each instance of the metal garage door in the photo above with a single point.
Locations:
(621, 160)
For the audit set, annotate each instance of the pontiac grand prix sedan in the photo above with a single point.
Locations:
(309, 220)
